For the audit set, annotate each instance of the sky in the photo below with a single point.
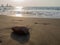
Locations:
(31, 2)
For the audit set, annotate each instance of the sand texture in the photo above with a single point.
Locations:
(42, 32)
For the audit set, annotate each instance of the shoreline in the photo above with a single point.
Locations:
(30, 17)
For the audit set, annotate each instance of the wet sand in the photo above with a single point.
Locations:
(42, 32)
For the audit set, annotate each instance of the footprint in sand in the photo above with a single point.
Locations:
(45, 23)
(36, 23)
(42, 23)
(20, 20)
(0, 39)
(17, 20)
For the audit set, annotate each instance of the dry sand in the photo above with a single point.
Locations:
(43, 31)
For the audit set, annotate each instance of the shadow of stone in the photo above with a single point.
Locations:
(20, 38)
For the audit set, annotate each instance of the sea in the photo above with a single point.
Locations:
(43, 12)
(35, 12)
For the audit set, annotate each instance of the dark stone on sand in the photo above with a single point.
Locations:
(21, 30)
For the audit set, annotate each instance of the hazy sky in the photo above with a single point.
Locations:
(31, 2)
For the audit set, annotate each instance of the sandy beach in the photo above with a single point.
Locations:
(43, 31)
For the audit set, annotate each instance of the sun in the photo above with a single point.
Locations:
(18, 0)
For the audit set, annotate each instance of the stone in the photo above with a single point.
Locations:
(21, 30)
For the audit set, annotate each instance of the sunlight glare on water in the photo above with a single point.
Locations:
(18, 15)
(18, 9)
